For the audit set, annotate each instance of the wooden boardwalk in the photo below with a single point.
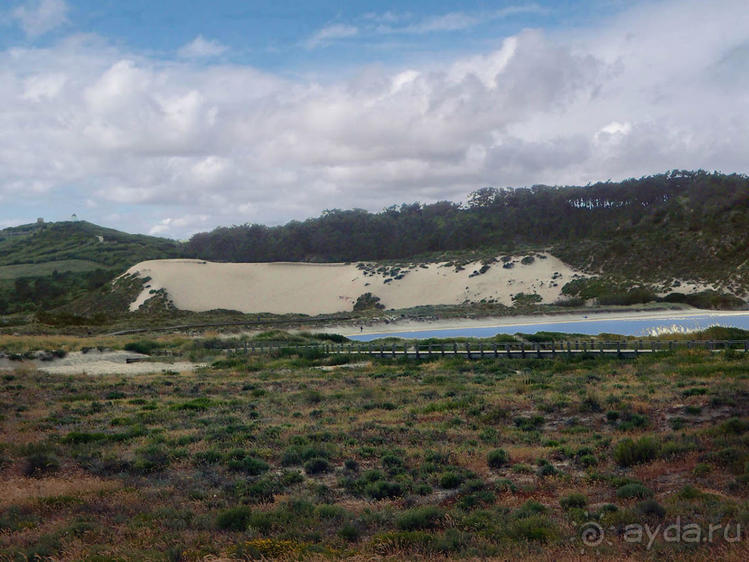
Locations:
(514, 350)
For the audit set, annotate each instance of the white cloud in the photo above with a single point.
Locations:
(331, 33)
(200, 47)
(143, 140)
(448, 22)
(37, 17)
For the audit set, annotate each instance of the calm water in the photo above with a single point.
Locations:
(590, 327)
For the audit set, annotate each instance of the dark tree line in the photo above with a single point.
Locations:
(614, 214)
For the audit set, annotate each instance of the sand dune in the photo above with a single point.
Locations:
(309, 288)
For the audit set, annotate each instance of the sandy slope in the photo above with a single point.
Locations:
(307, 288)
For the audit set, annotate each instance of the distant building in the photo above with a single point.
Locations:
(40, 221)
(74, 218)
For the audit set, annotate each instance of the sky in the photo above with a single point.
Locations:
(175, 117)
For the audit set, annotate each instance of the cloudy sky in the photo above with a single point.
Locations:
(174, 117)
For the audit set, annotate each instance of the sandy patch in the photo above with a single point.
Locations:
(110, 363)
(306, 288)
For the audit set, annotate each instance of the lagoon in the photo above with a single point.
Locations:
(623, 326)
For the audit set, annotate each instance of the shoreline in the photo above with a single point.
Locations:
(411, 325)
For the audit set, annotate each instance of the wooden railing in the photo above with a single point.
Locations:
(479, 350)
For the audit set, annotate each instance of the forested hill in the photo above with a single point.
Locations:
(80, 240)
(677, 224)
(45, 265)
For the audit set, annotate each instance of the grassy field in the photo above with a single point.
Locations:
(307, 457)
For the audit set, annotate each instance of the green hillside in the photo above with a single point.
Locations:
(43, 266)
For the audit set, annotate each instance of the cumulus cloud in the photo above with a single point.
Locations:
(173, 148)
(37, 17)
(200, 47)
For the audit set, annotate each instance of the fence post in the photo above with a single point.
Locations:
(442, 349)
(569, 349)
(522, 349)
(601, 346)
(538, 350)
(405, 350)
(496, 354)
(416, 347)
(507, 348)
(468, 350)
(455, 349)
(553, 349)
(393, 351)
(430, 351)
(618, 349)
(481, 349)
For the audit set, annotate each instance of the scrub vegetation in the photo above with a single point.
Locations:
(298, 455)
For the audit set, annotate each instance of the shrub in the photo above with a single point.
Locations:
(547, 470)
(427, 517)
(587, 460)
(234, 519)
(629, 452)
(382, 489)
(451, 480)
(392, 463)
(573, 500)
(145, 347)
(261, 491)
(529, 508)
(651, 508)
(151, 458)
(40, 463)
(633, 490)
(497, 458)
(534, 528)
(349, 532)
(291, 477)
(733, 426)
(249, 465)
(368, 301)
(317, 465)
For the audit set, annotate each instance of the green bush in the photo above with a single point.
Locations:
(450, 480)
(534, 528)
(651, 508)
(573, 500)
(634, 490)
(40, 463)
(547, 470)
(382, 489)
(151, 458)
(497, 458)
(427, 517)
(145, 347)
(249, 465)
(349, 532)
(629, 452)
(317, 465)
(234, 519)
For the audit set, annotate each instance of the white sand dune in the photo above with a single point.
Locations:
(308, 288)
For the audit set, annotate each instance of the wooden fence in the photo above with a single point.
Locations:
(482, 350)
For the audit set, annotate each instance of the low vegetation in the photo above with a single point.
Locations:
(297, 455)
